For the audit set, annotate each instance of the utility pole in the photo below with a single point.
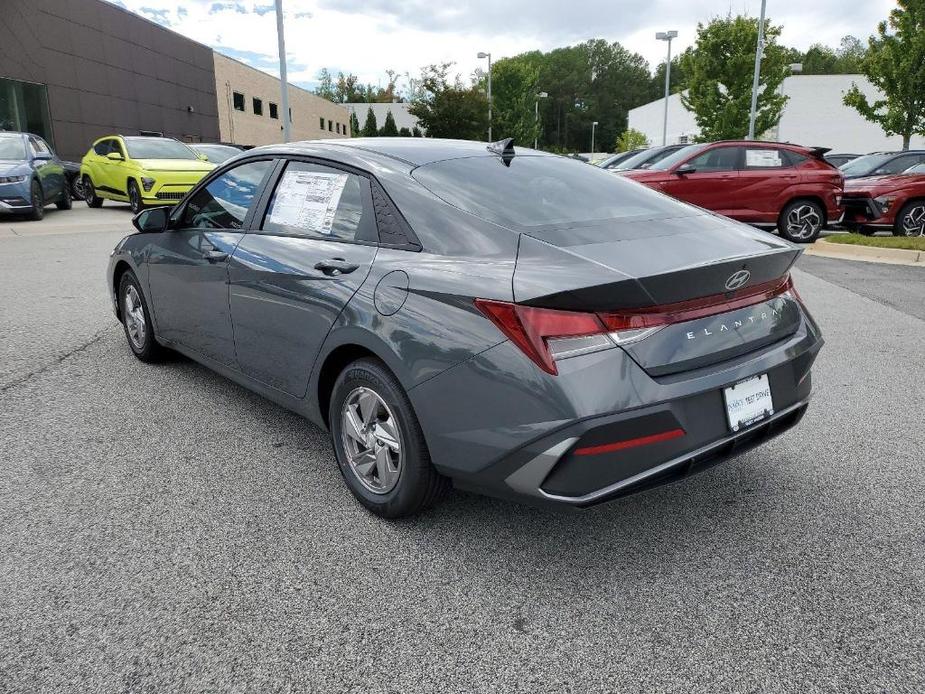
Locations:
(759, 53)
(488, 55)
(283, 79)
(666, 36)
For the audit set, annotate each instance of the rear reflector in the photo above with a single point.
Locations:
(545, 335)
(631, 443)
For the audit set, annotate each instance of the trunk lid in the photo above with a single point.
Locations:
(647, 264)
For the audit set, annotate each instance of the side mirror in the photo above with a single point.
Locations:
(202, 157)
(115, 156)
(153, 220)
(685, 169)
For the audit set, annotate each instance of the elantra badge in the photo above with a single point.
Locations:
(738, 280)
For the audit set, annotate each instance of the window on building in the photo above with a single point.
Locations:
(274, 111)
(24, 108)
(238, 100)
(290, 115)
(258, 106)
(337, 128)
(321, 123)
(330, 127)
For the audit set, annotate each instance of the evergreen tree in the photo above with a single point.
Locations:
(354, 125)
(389, 129)
(370, 128)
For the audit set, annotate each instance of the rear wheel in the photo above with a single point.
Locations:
(911, 220)
(802, 221)
(136, 319)
(379, 444)
(134, 197)
(38, 201)
(77, 187)
(90, 195)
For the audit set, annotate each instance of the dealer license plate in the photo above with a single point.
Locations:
(748, 401)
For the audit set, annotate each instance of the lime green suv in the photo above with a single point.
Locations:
(140, 170)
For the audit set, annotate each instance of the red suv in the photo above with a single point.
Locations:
(893, 203)
(763, 183)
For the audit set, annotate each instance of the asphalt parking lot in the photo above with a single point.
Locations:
(166, 531)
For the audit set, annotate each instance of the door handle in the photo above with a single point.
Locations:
(215, 255)
(335, 266)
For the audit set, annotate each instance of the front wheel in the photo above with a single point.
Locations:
(136, 319)
(379, 444)
(90, 196)
(911, 220)
(134, 197)
(802, 221)
(38, 202)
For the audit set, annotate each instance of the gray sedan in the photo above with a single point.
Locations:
(493, 318)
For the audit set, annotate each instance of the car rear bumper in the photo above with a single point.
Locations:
(498, 429)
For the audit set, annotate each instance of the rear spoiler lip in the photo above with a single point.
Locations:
(819, 152)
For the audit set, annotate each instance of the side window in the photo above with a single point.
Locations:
(39, 146)
(899, 164)
(763, 158)
(717, 159)
(316, 200)
(224, 202)
(102, 147)
(794, 158)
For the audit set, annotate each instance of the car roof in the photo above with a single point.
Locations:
(414, 151)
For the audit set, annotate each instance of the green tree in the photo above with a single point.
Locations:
(389, 129)
(720, 70)
(513, 94)
(895, 64)
(631, 139)
(678, 76)
(325, 88)
(354, 125)
(370, 128)
(404, 132)
(449, 109)
(416, 132)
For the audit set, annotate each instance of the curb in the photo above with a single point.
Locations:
(867, 254)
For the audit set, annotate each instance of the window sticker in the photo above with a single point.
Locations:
(762, 158)
(308, 200)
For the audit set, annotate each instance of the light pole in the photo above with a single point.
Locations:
(283, 79)
(488, 55)
(593, 126)
(666, 36)
(759, 53)
(536, 115)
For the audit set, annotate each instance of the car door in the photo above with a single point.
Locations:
(188, 263)
(291, 278)
(767, 174)
(49, 170)
(713, 181)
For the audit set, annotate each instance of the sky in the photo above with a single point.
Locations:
(367, 37)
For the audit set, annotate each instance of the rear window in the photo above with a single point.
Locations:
(542, 191)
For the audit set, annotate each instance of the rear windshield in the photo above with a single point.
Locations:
(865, 164)
(12, 147)
(157, 148)
(542, 191)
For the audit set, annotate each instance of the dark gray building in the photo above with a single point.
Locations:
(75, 70)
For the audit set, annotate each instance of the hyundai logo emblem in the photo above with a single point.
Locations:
(738, 280)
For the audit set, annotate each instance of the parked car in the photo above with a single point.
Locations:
(31, 176)
(647, 158)
(516, 322)
(839, 159)
(887, 203)
(882, 163)
(614, 160)
(766, 184)
(216, 153)
(140, 170)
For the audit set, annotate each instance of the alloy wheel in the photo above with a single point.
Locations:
(914, 221)
(372, 440)
(803, 222)
(134, 317)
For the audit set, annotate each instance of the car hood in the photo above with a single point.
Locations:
(878, 185)
(174, 165)
(12, 167)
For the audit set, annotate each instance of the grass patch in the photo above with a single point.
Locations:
(908, 243)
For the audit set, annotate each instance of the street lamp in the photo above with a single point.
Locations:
(283, 79)
(666, 36)
(759, 54)
(536, 115)
(483, 55)
(593, 126)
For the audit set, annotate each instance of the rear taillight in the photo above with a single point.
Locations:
(545, 334)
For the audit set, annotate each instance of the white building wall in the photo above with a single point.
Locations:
(814, 116)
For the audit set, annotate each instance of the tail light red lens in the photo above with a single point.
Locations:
(543, 334)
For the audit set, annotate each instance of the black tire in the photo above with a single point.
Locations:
(64, 199)
(134, 197)
(37, 198)
(911, 219)
(144, 346)
(90, 196)
(76, 187)
(419, 485)
(801, 221)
